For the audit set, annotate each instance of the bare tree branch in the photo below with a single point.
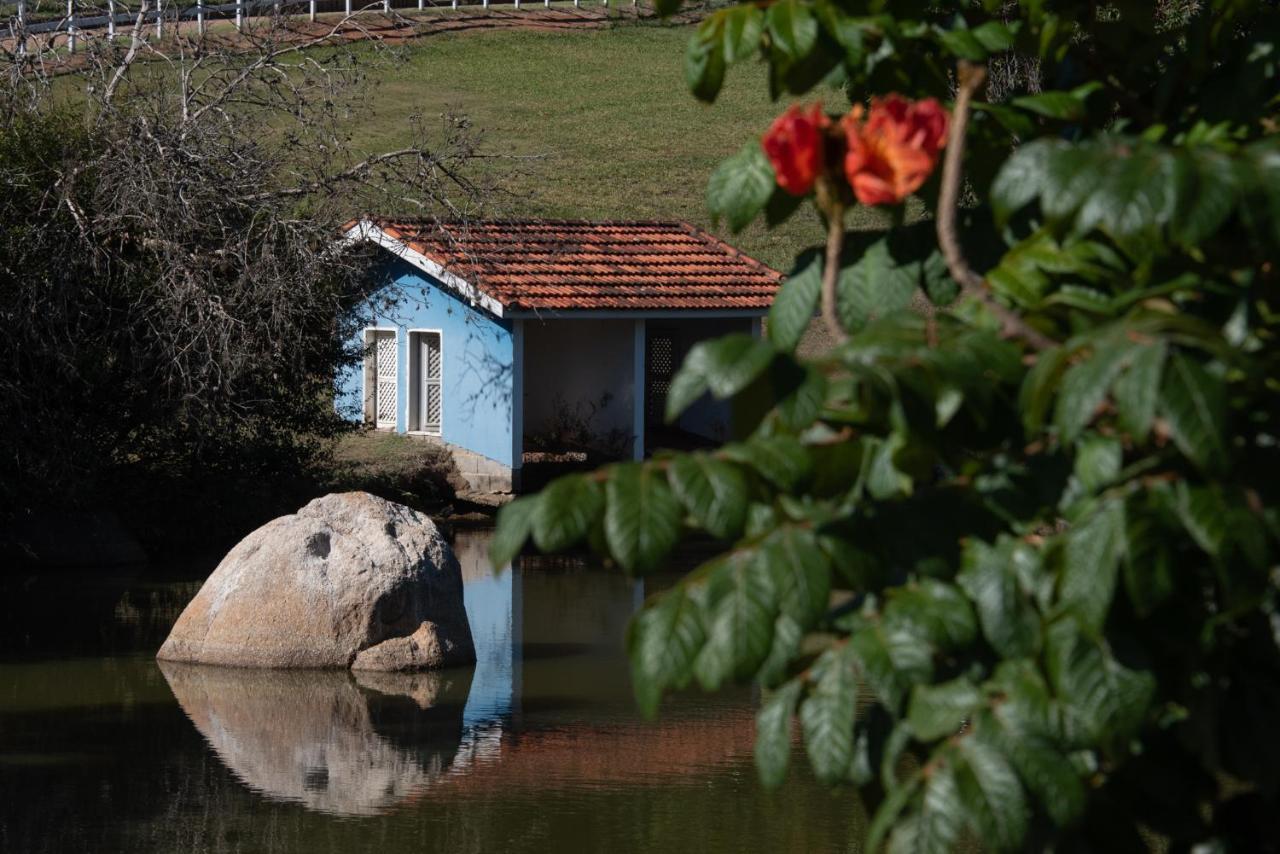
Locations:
(970, 78)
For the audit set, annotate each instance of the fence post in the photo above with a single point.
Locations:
(111, 19)
(455, 4)
(200, 17)
(311, 10)
(517, 5)
(71, 25)
(159, 19)
(239, 14)
(348, 7)
(386, 7)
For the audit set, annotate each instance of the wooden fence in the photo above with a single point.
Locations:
(76, 19)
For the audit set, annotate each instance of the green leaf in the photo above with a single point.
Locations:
(1067, 106)
(740, 609)
(642, 519)
(1085, 385)
(942, 812)
(1043, 768)
(663, 641)
(689, 383)
(741, 186)
(773, 734)
(1102, 700)
(827, 715)
(715, 492)
(938, 711)
(934, 610)
(800, 404)
(886, 816)
(892, 659)
(1135, 195)
(1193, 403)
(1072, 175)
(995, 36)
(1211, 193)
(1204, 513)
(796, 301)
(875, 285)
(732, 362)
(565, 511)
(1038, 388)
(1148, 569)
(792, 28)
(743, 26)
(704, 63)
(963, 43)
(1022, 178)
(1138, 388)
(992, 796)
(781, 460)
(801, 573)
(990, 577)
(514, 524)
(1098, 460)
(884, 479)
(723, 366)
(1091, 563)
(1259, 179)
(787, 635)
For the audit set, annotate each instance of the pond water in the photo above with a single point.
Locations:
(537, 748)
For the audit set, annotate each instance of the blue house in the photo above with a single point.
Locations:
(485, 336)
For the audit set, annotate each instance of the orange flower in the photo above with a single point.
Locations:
(793, 145)
(892, 152)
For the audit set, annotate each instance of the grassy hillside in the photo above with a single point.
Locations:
(606, 113)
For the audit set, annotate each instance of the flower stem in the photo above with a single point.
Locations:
(831, 268)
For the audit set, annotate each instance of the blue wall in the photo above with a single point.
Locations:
(477, 360)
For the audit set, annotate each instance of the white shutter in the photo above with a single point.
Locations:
(431, 401)
(387, 379)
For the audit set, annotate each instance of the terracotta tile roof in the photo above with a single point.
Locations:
(579, 265)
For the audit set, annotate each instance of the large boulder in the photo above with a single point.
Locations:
(349, 577)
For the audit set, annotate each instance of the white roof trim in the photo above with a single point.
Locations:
(367, 232)
(649, 313)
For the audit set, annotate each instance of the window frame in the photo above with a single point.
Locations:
(417, 384)
(369, 341)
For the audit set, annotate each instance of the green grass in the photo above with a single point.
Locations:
(607, 114)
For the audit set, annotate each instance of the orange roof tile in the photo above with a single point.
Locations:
(580, 265)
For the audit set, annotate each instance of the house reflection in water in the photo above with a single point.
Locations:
(548, 704)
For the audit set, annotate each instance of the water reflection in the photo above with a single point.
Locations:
(537, 748)
(332, 741)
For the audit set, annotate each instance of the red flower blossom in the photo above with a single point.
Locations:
(894, 150)
(793, 145)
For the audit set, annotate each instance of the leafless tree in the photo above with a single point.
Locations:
(170, 283)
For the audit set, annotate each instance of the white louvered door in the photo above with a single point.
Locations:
(387, 379)
(430, 400)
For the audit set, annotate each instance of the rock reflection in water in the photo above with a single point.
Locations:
(334, 741)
